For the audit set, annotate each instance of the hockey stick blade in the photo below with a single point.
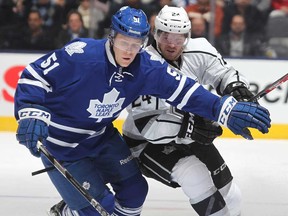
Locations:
(73, 181)
(269, 88)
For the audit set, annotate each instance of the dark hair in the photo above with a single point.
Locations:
(74, 12)
(35, 11)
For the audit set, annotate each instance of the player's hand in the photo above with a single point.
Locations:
(239, 91)
(238, 116)
(199, 129)
(32, 127)
(205, 131)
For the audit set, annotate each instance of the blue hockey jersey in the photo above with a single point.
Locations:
(85, 90)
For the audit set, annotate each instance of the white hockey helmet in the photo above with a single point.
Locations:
(173, 20)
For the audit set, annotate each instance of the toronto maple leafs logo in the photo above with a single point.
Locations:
(107, 107)
(86, 185)
(76, 47)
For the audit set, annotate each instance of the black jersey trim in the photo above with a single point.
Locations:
(162, 138)
(200, 52)
(141, 122)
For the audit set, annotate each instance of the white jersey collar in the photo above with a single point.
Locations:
(109, 53)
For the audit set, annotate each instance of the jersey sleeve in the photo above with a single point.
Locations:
(180, 91)
(33, 83)
(48, 75)
(209, 66)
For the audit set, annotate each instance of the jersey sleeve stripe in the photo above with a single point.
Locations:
(34, 83)
(77, 130)
(188, 95)
(163, 139)
(178, 90)
(36, 75)
(148, 113)
(62, 143)
(158, 164)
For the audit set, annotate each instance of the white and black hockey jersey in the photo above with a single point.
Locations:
(156, 121)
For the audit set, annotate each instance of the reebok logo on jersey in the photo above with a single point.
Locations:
(107, 107)
(126, 160)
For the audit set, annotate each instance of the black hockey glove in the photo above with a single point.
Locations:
(239, 91)
(199, 129)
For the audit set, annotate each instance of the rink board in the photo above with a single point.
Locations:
(277, 131)
(259, 72)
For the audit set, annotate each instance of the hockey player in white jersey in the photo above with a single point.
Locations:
(156, 132)
(69, 98)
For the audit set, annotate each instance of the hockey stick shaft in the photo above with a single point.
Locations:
(270, 88)
(73, 181)
(43, 170)
(265, 91)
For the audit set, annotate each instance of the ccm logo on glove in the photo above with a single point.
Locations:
(226, 109)
(34, 113)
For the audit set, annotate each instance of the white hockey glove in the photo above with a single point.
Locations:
(199, 129)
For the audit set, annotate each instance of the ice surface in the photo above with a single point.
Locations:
(259, 167)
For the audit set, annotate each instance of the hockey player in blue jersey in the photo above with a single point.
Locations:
(69, 98)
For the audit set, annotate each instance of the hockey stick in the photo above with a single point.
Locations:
(269, 88)
(262, 93)
(73, 181)
(43, 170)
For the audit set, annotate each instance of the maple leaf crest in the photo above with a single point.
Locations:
(76, 47)
(107, 108)
(86, 185)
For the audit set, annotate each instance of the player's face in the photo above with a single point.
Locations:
(125, 49)
(171, 44)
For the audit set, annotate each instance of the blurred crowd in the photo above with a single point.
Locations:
(237, 28)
